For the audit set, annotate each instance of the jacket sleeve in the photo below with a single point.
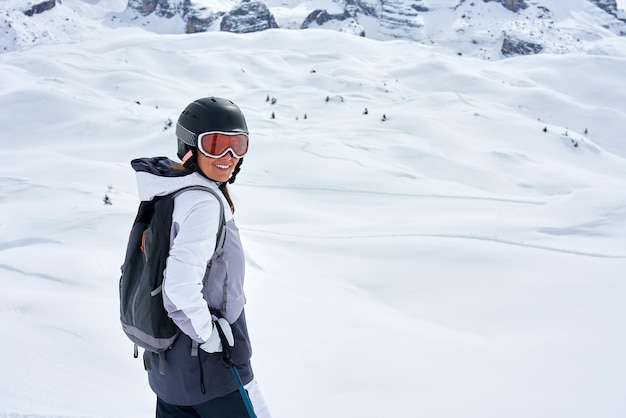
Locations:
(195, 222)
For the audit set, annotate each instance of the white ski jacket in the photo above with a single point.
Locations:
(192, 376)
(195, 223)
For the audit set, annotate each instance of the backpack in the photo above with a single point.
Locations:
(142, 314)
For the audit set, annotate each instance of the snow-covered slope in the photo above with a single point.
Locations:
(464, 257)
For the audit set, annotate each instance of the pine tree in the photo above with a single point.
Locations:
(168, 124)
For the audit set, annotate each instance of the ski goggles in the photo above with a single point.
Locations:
(218, 144)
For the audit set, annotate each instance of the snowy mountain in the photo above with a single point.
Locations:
(489, 29)
(427, 234)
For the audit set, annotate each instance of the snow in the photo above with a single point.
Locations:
(453, 260)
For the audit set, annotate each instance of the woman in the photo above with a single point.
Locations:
(212, 139)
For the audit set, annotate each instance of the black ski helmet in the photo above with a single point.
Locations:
(206, 115)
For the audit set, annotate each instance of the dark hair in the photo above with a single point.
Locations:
(226, 193)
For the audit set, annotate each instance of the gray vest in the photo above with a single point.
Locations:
(223, 287)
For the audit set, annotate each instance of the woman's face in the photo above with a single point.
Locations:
(218, 169)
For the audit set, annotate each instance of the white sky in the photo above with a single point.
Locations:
(454, 260)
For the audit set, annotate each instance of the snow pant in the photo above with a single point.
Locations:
(229, 406)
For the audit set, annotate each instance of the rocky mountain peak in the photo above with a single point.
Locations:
(40, 7)
(512, 5)
(489, 29)
(249, 16)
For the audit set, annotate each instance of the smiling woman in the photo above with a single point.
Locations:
(205, 303)
(212, 140)
(220, 152)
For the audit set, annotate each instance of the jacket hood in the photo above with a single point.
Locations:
(156, 176)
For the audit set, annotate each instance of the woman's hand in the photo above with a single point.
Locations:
(214, 344)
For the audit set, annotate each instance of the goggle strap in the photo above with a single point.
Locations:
(187, 156)
(186, 135)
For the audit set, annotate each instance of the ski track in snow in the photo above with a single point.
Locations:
(394, 195)
(38, 275)
(446, 236)
(25, 242)
(16, 415)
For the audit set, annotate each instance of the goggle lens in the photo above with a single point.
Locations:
(217, 144)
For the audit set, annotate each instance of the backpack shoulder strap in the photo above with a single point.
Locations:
(221, 232)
